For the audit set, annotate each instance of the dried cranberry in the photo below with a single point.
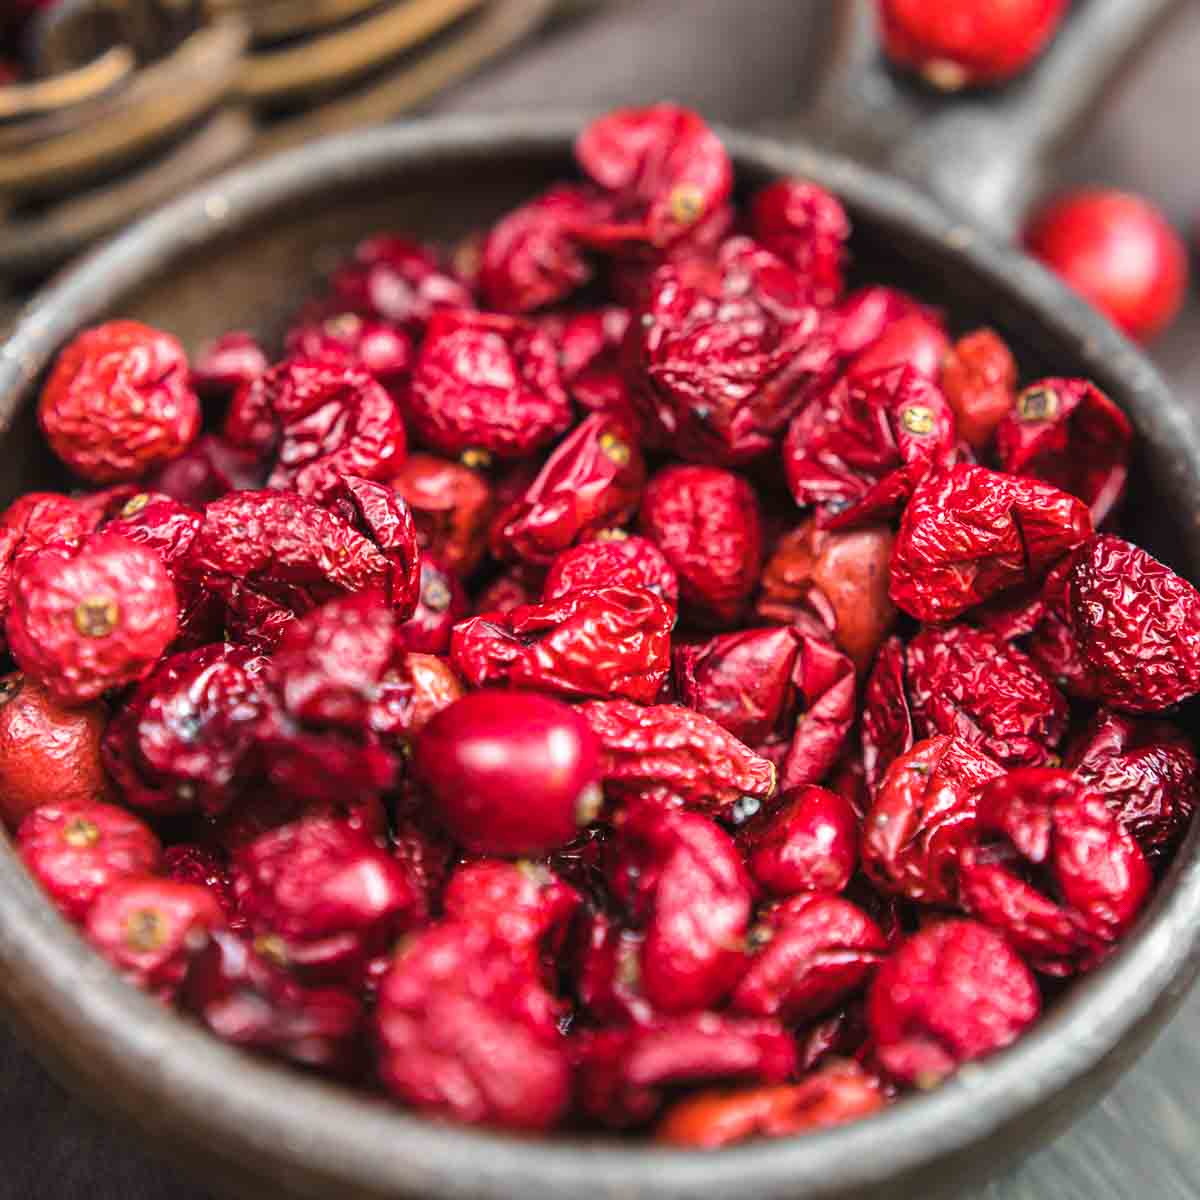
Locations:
(119, 402)
(864, 316)
(921, 818)
(952, 993)
(47, 752)
(376, 347)
(75, 850)
(1069, 433)
(858, 450)
(441, 603)
(707, 524)
(969, 533)
(487, 383)
(426, 857)
(206, 470)
(589, 354)
(187, 862)
(983, 43)
(808, 843)
(979, 381)
(466, 1030)
(1119, 252)
(83, 623)
(806, 227)
(227, 362)
(915, 339)
(416, 688)
(516, 587)
(451, 507)
(510, 773)
(610, 561)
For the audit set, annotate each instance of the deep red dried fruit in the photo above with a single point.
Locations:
(227, 362)
(189, 862)
(119, 402)
(886, 726)
(451, 507)
(487, 383)
(858, 450)
(680, 877)
(321, 897)
(48, 753)
(1048, 828)
(1068, 433)
(673, 747)
(666, 171)
(206, 470)
(952, 993)
(593, 480)
(98, 619)
(979, 381)
(807, 227)
(76, 850)
(837, 1093)
(1134, 621)
(441, 604)
(1147, 773)
(969, 533)
(726, 351)
(707, 524)
(978, 42)
(510, 773)
(149, 928)
(914, 339)
(591, 642)
(1119, 252)
(609, 561)
(318, 419)
(808, 843)
(623, 1073)
(589, 354)
(810, 953)
(865, 314)
(517, 586)
(921, 818)
(466, 1030)
(379, 348)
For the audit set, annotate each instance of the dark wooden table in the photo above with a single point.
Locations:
(738, 61)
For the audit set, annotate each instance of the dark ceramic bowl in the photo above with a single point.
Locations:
(241, 253)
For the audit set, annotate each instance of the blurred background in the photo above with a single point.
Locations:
(108, 107)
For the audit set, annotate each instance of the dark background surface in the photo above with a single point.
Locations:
(741, 62)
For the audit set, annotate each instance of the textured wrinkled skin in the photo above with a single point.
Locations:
(664, 168)
(679, 749)
(969, 533)
(487, 383)
(589, 345)
(75, 850)
(179, 742)
(318, 419)
(1094, 878)
(921, 818)
(1134, 621)
(509, 773)
(451, 507)
(349, 341)
(984, 43)
(979, 381)
(441, 604)
(622, 1073)
(607, 561)
(47, 751)
(466, 1030)
(1052, 644)
(809, 842)
(840, 576)
(592, 642)
(1147, 772)
(593, 480)
(810, 954)
(325, 894)
(807, 227)
(885, 724)
(978, 688)
(857, 450)
(707, 524)
(726, 351)
(1068, 433)
(84, 623)
(953, 993)
(683, 883)
(148, 928)
(119, 402)
(833, 1095)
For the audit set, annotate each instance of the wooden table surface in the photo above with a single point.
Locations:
(737, 60)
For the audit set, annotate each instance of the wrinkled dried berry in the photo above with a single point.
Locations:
(451, 507)
(979, 381)
(608, 561)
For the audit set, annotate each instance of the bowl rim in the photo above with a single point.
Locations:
(250, 1117)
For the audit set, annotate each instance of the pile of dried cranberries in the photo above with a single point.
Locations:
(618, 678)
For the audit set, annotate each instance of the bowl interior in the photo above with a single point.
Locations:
(244, 253)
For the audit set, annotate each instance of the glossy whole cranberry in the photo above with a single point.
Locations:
(86, 622)
(809, 842)
(1119, 252)
(119, 402)
(510, 773)
(48, 753)
(76, 850)
(969, 43)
